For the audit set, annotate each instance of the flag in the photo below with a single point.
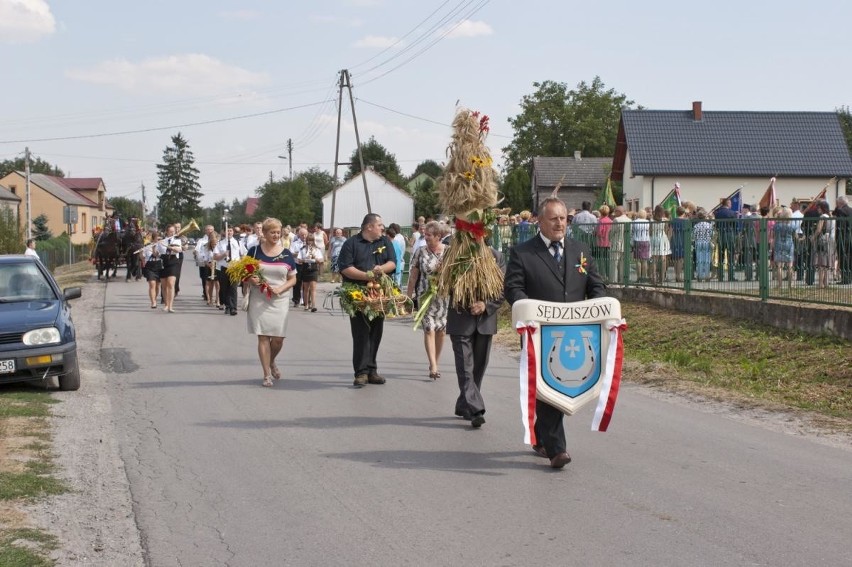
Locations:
(769, 199)
(820, 196)
(672, 201)
(606, 197)
(736, 201)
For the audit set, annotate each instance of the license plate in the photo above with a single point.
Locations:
(7, 366)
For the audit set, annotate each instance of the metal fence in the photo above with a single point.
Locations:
(54, 257)
(784, 259)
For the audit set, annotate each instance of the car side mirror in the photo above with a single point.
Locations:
(72, 292)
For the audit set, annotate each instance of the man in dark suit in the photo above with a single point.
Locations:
(727, 231)
(843, 236)
(545, 268)
(471, 330)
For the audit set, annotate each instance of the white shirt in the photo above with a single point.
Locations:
(252, 240)
(797, 224)
(237, 251)
(30, 252)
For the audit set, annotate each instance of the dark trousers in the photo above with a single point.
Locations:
(366, 337)
(844, 257)
(471, 356)
(204, 273)
(726, 252)
(297, 290)
(227, 292)
(749, 256)
(549, 430)
(177, 277)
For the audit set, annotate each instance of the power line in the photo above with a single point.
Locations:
(419, 117)
(160, 128)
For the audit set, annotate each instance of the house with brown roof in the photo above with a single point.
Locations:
(711, 154)
(578, 178)
(9, 200)
(49, 195)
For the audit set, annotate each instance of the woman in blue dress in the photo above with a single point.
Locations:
(783, 253)
(268, 308)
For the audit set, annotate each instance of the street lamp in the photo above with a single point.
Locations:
(290, 163)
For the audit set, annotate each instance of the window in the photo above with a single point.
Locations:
(13, 189)
(83, 221)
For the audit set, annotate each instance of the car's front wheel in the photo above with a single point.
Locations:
(71, 381)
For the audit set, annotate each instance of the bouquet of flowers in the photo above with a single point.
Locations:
(240, 270)
(375, 298)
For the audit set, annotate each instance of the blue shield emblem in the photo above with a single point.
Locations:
(571, 357)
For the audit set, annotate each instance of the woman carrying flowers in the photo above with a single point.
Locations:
(269, 296)
(424, 265)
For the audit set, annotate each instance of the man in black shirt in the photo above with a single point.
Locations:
(365, 257)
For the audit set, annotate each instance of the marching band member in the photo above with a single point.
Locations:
(170, 249)
(204, 267)
(228, 249)
(152, 266)
(211, 279)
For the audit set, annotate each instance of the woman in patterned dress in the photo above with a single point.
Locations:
(267, 316)
(424, 263)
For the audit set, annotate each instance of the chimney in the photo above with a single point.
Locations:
(696, 110)
(577, 155)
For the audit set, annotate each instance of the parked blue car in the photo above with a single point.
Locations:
(37, 337)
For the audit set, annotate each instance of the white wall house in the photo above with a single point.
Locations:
(712, 154)
(350, 204)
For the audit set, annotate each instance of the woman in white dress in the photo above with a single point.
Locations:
(267, 311)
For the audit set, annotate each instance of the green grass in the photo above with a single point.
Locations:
(38, 544)
(24, 413)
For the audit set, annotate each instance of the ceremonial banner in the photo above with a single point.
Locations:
(571, 355)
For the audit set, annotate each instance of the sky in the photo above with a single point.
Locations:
(99, 87)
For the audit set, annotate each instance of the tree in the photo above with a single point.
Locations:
(429, 167)
(126, 208)
(516, 189)
(177, 182)
(377, 157)
(555, 122)
(319, 183)
(288, 201)
(426, 199)
(11, 235)
(40, 230)
(37, 165)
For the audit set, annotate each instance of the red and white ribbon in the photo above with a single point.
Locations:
(529, 372)
(611, 378)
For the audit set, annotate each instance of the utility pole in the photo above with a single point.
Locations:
(144, 207)
(345, 81)
(290, 156)
(29, 210)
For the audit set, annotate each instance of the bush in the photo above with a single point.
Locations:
(11, 235)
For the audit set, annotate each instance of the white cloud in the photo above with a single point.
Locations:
(240, 15)
(187, 74)
(375, 41)
(25, 21)
(469, 28)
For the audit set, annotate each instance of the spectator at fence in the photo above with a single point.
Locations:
(618, 235)
(726, 229)
(678, 231)
(601, 250)
(824, 244)
(749, 233)
(640, 236)
(584, 225)
(702, 242)
(810, 219)
(660, 245)
(783, 251)
(843, 216)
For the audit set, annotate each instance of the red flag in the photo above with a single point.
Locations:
(769, 198)
(820, 196)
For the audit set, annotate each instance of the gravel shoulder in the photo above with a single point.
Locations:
(94, 521)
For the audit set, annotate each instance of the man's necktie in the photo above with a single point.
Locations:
(557, 250)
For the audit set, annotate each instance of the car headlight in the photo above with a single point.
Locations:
(46, 336)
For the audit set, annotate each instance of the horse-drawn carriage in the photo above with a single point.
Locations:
(113, 247)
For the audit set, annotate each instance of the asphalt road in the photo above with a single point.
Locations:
(315, 472)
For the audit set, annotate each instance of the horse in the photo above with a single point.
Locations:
(106, 253)
(131, 243)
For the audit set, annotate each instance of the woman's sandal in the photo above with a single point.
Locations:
(267, 382)
(276, 374)
(434, 375)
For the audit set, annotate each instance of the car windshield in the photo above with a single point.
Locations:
(23, 282)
